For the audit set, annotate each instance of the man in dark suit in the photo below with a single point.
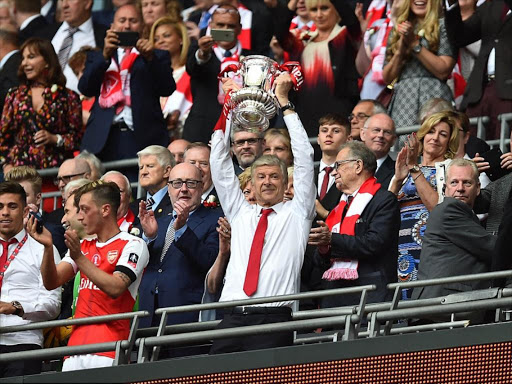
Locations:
(77, 30)
(204, 63)
(489, 88)
(29, 20)
(10, 60)
(455, 243)
(182, 248)
(379, 135)
(119, 129)
(362, 236)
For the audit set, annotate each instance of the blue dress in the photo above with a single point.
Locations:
(414, 216)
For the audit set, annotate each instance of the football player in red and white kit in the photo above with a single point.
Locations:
(110, 265)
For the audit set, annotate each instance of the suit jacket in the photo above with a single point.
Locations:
(374, 245)
(9, 76)
(180, 276)
(495, 31)
(492, 200)
(386, 172)
(99, 30)
(454, 244)
(502, 260)
(331, 198)
(149, 80)
(205, 87)
(32, 29)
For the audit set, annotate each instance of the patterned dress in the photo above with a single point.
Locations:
(416, 84)
(61, 113)
(414, 216)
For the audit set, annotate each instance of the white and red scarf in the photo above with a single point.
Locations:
(181, 98)
(246, 21)
(115, 89)
(346, 268)
(234, 59)
(459, 83)
(125, 223)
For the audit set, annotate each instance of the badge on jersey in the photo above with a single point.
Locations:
(96, 260)
(133, 259)
(112, 256)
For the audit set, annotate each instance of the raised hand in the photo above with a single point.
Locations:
(44, 238)
(72, 242)
(480, 162)
(401, 167)
(145, 48)
(182, 210)
(224, 230)
(147, 221)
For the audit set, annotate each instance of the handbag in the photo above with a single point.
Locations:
(386, 94)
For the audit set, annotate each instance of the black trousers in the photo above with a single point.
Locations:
(20, 367)
(250, 343)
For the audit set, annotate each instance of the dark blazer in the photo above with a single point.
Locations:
(375, 246)
(180, 277)
(454, 244)
(50, 16)
(489, 24)
(99, 30)
(32, 29)
(502, 259)
(331, 198)
(205, 87)
(149, 81)
(386, 172)
(9, 76)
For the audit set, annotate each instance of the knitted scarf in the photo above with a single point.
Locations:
(346, 268)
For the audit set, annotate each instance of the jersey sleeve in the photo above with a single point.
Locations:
(134, 259)
(67, 259)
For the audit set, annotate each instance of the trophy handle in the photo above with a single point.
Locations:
(228, 69)
(295, 71)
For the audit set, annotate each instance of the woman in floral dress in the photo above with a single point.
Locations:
(41, 122)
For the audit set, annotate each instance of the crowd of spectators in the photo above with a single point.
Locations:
(243, 213)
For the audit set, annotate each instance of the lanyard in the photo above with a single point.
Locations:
(11, 258)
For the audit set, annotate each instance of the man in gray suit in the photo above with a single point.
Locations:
(455, 243)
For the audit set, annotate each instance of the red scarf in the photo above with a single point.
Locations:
(346, 268)
(115, 89)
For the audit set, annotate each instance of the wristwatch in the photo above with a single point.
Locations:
(288, 106)
(60, 140)
(415, 168)
(417, 48)
(18, 308)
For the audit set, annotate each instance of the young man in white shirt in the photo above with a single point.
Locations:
(23, 298)
(271, 266)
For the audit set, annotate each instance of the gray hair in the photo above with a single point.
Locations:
(126, 181)
(461, 162)
(377, 106)
(92, 159)
(359, 151)
(271, 161)
(75, 184)
(162, 154)
(236, 128)
(432, 106)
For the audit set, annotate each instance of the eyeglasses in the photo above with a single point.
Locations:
(360, 116)
(66, 179)
(178, 183)
(239, 143)
(338, 164)
(385, 132)
(226, 10)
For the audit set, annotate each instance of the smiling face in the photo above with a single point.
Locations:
(289, 192)
(248, 192)
(190, 196)
(70, 218)
(168, 39)
(419, 8)
(200, 157)
(379, 136)
(152, 175)
(275, 145)
(324, 15)
(268, 184)
(12, 211)
(435, 142)
(152, 10)
(33, 65)
(462, 184)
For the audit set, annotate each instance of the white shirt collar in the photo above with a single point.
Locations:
(323, 165)
(28, 20)
(380, 161)
(19, 236)
(6, 57)
(46, 8)
(206, 193)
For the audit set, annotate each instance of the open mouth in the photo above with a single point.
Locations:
(420, 3)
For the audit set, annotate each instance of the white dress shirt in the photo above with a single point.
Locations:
(321, 174)
(288, 227)
(379, 162)
(23, 282)
(84, 36)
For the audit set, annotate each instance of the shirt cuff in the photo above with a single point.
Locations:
(180, 232)
(201, 61)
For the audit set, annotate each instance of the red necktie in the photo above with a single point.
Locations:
(5, 252)
(325, 183)
(253, 266)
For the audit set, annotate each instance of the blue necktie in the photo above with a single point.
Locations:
(205, 20)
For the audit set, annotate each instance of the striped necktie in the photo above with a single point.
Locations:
(65, 48)
(169, 238)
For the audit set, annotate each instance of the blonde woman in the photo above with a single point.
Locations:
(171, 36)
(419, 187)
(420, 57)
